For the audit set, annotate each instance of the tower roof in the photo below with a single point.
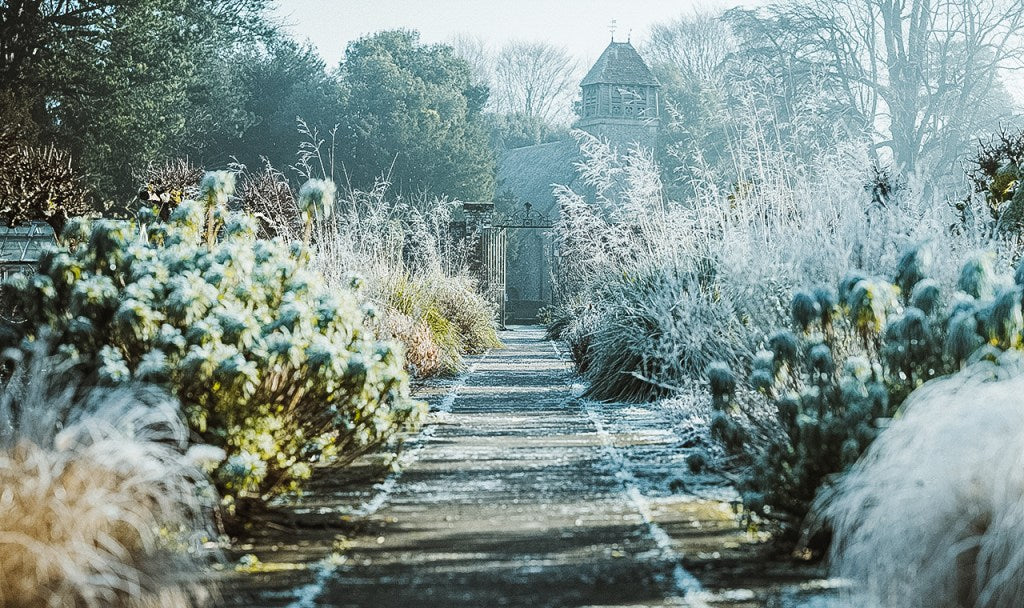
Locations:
(620, 64)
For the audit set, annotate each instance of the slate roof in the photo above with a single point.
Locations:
(620, 64)
(532, 172)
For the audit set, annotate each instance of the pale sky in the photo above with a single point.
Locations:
(582, 26)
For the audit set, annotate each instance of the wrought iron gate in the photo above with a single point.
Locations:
(487, 235)
(494, 247)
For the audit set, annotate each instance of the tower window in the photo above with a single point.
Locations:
(590, 101)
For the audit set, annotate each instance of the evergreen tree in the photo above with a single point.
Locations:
(412, 113)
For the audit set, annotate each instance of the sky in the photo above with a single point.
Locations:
(582, 26)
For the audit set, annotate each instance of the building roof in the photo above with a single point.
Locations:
(620, 64)
(531, 173)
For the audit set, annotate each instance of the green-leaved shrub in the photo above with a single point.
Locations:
(268, 363)
(846, 366)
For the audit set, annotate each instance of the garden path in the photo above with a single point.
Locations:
(520, 493)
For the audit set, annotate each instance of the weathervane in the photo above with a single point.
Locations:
(612, 27)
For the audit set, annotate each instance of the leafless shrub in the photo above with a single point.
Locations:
(267, 194)
(38, 183)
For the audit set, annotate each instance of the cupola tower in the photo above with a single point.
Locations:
(620, 98)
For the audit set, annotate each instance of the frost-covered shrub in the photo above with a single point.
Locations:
(167, 184)
(100, 504)
(847, 365)
(656, 289)
(457, 320)
(414, 273)
(657, 330)
(423, 357)
(267, 195)
(269, 363)
(930, 517)
(473, 317)
(995, 173)
(412, 267)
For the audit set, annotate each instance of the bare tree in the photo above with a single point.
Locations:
(535, 79)
(477, 54)
(922, 76)
(692, 46)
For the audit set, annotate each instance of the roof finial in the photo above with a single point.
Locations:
(612, 27)
(629, 35)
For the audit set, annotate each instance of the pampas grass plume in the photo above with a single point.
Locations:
(931, 516)
(98, 505)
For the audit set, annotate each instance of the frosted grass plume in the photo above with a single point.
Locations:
(99, 506)
(931, 515)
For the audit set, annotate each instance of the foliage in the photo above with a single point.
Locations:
(848, 364)
(101, 506)
(266, 194)
(656, 329)
(38, 183)
(424, 358)
(994, 174)
(931, 515)
(413, 115)
(169, 183)
(653, 290)
(471, 316)
(413, 266)
(441, 320)
(269, 363)
(275, 81)
(123, 84)
(417, 299)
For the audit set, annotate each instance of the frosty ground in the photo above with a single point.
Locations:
(518, 492)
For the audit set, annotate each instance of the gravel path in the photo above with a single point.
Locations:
(519, 493)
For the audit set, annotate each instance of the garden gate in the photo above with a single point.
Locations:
(21, 246)
(487, 234)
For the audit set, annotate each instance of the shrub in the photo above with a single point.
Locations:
(655, 331)
(931, 515)
(423, 357)
(442, 319)
(848, 366)
(413, 264)
(100, 505)
(166, 185)
(473, 317)
(38, 183)
(994, 174)
(269, 364)
(267, 195)
(667, 287)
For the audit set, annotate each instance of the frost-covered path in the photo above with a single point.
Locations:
(511, 500)
(519, 493)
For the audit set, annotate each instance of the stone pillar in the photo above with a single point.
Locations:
(479, 218)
